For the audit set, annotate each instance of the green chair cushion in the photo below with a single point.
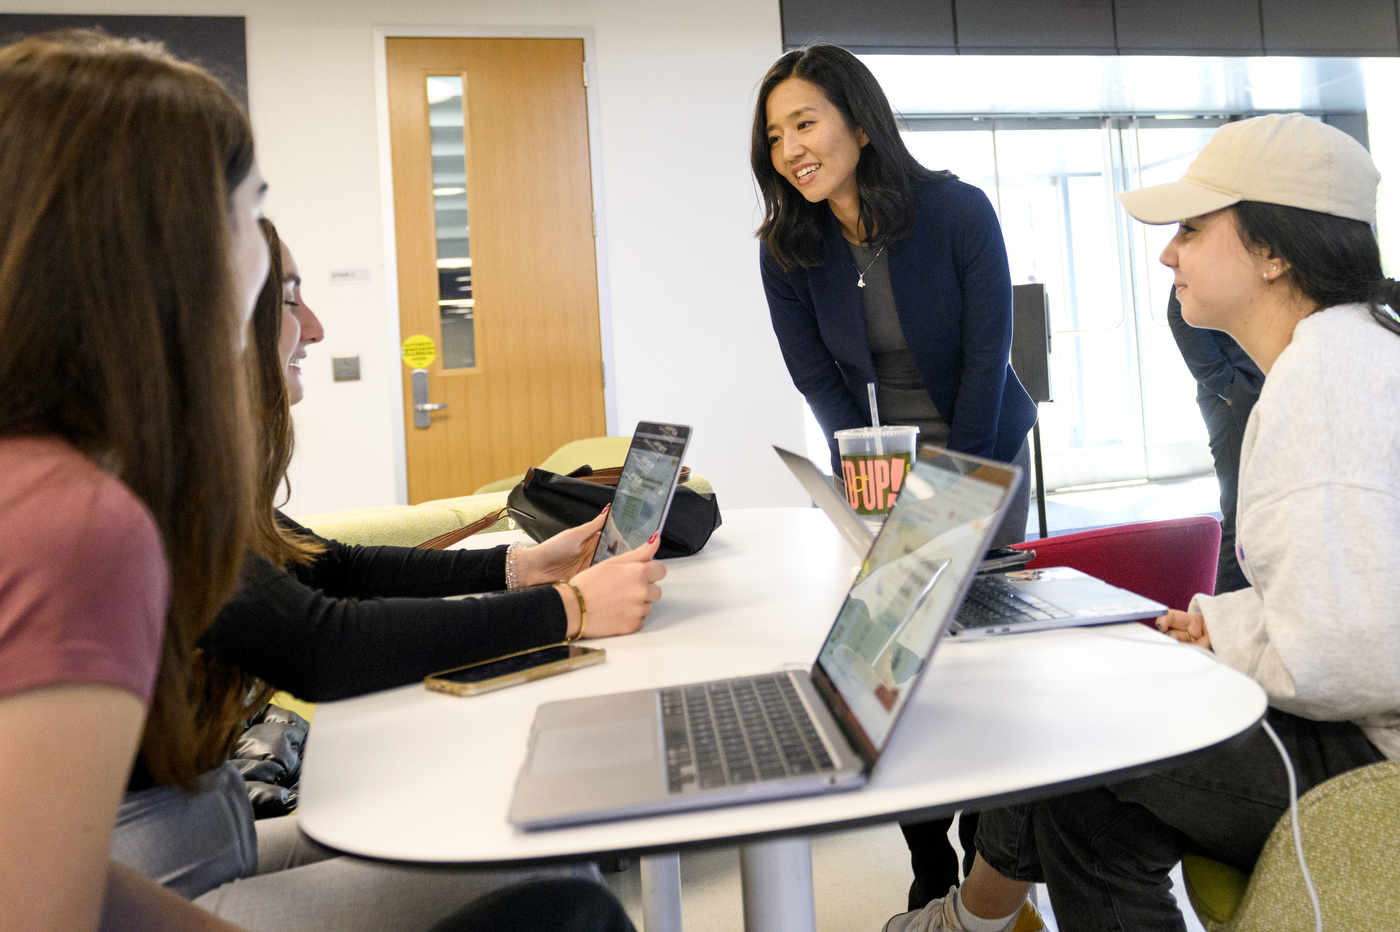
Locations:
(500, 485)
(397, 525)
(1351, 838)
(1215, 889)
(469, 508)
(598, 452)
(286, 700)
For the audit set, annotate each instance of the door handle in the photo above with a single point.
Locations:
(422, 408)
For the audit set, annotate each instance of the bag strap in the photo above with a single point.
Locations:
(443, 541)
(609, 475)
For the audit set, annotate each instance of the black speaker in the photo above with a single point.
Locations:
(1030, 340)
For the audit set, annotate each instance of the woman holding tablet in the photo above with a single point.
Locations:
(326, 621)
(878, 270)
(1275, 247)
(368, 618)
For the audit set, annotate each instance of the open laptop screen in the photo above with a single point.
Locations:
(910, 585)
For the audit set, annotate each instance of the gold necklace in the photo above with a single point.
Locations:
(860, 276)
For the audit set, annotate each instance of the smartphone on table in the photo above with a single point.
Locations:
(513, 669)
(645, 489)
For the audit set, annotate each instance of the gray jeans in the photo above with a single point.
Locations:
(1105, 853)
(269, 876)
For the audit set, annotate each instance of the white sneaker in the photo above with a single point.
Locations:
(940, 916)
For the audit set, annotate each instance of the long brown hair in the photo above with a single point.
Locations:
(119, 325)
(273, 417)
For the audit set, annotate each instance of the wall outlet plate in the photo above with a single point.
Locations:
(345, 368)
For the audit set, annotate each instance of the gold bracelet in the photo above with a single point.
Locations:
(582, 611)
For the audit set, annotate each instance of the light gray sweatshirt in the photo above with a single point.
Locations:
(1319, 530)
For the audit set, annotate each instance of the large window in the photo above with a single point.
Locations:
(1124, 403)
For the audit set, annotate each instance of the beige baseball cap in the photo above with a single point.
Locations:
(1283, 158)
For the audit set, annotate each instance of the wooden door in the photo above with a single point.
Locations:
(530, 377)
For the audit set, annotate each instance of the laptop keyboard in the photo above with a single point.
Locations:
(738, 731)
(993, 601)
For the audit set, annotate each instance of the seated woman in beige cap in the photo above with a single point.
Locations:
(1276, 249)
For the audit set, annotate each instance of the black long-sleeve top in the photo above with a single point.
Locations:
(360, 619)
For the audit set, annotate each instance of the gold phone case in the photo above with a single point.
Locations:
(578, 657)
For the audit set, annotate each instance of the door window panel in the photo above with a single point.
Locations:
(456, 306)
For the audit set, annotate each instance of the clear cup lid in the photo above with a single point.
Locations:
(868, 433)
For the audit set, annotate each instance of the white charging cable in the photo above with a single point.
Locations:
(1297, 832)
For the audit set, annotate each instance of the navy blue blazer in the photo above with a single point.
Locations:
(952, 288)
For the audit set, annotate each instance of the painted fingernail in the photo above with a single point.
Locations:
(606, 508)
(652, 538)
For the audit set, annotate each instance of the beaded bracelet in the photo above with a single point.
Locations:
(511, 581)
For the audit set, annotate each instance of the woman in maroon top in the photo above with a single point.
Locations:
(130, 259)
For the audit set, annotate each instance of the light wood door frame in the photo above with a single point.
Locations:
(381, 34)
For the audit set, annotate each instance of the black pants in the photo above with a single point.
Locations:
(932, 856)
(1105, 853)
(1226, 433)
(547, 905)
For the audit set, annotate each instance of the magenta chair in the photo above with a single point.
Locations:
(1166, 561)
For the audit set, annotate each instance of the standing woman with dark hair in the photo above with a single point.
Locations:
(880, 270)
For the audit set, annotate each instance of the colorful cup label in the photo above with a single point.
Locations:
(872, 482)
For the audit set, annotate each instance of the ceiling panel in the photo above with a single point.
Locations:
(1223, 27)
(1319, 27)
(869, 25)
(1008, 25)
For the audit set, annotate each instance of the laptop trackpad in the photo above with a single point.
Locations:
(601, 746)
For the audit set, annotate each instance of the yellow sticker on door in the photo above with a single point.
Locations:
(419, 351)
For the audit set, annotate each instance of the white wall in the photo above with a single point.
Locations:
(691, 337)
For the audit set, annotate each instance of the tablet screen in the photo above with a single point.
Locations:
(645, 488)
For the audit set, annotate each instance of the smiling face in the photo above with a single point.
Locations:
(300, 327)
(248, 254)
(810, 142)
(1220, 282)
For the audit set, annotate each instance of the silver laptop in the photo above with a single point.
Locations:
(998, 603)
(790, 733)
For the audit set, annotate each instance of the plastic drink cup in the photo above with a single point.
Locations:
(874, 462)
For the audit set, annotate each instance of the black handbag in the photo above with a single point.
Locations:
(545, 503)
